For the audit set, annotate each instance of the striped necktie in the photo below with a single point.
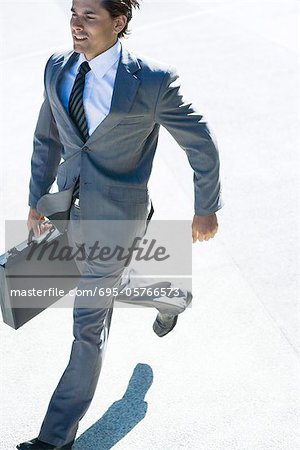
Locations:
(76, 109)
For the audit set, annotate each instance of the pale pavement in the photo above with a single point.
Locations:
(227, 377)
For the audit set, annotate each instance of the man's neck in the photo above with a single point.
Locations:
(89, 57)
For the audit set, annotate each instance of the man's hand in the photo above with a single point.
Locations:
(204, 227)
(34, 222)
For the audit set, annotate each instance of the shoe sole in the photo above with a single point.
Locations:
(65, 447)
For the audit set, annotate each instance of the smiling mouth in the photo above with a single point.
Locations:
(79, 38)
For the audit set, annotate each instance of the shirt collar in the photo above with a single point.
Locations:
(101, 64)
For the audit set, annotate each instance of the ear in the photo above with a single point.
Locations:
(120, 23)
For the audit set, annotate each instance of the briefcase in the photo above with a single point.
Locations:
(33, 276)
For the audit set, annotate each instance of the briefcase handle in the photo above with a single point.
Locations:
(47, 233)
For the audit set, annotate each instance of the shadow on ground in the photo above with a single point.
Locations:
(122, 416)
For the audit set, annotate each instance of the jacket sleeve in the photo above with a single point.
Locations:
(193, 135)
(46, 152)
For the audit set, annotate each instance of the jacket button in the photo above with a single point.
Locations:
(86, 149)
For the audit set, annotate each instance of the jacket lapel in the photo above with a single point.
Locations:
(125, 88)
(58, 71)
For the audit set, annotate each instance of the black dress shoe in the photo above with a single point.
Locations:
(36, 444)
(164, 323)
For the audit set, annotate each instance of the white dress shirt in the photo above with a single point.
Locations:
(99, 85)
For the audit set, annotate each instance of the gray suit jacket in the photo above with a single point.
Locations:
(115, 163)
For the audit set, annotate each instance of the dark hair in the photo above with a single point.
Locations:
(121, 8)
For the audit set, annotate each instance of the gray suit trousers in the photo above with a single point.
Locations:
(77, 386)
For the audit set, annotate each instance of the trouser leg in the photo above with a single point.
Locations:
(77, 385)
(165, 296)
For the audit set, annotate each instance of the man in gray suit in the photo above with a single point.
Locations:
(102, 112)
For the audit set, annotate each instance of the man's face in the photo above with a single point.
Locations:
(93, 29)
